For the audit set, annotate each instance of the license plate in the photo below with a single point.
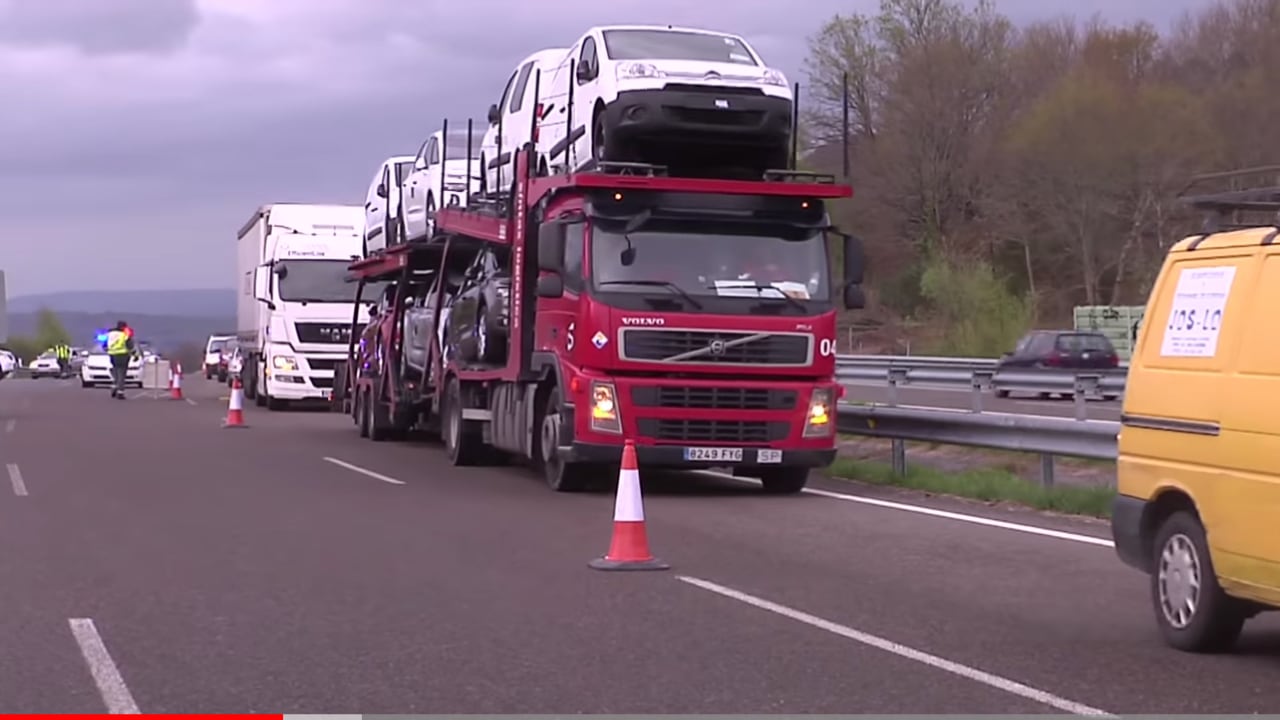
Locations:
(710, 454)
(765, 457)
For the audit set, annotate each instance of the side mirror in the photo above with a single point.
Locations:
(494, 115)
(281, 270)
(550, 287)
(382, 190)
(584, 73)
(854, 261)
(854, 297)
(551, 239)
(262, 285)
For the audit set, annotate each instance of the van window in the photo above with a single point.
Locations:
(517, 97)
(507, 90)
(676, 45)
(402, 171)
(433, 152)
(589, 58)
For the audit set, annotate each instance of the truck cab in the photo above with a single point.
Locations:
(298, 323)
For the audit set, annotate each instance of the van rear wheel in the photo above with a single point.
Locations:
(1192, 611)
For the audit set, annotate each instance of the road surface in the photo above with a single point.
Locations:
(945, 396)
(157, 562)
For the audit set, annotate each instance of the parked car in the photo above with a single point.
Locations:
(665, 95)
(439, 179)
(46, 365)
(96, 370)
(213, 354)
(383, 222)
(1060, 349)
(228, 350)
(478, 320)
(8, 363)
(513, 113)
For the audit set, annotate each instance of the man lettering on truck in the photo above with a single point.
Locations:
(119, 347)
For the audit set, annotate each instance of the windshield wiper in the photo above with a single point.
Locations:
(759, 287)
(656, 283)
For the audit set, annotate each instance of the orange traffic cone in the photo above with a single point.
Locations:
(629, 549)
(175, 383)
(235, 408)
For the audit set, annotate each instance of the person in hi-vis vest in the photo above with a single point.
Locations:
(119, 346)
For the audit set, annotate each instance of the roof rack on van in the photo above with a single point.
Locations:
(1250, 190)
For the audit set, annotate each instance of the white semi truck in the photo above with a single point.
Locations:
(295, 306)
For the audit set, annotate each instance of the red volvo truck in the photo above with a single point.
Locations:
(695, 317)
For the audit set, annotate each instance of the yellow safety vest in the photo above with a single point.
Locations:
(117, 343)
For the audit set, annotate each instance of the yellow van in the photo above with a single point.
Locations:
(1198, 503)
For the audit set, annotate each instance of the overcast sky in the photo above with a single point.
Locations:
(138, 135)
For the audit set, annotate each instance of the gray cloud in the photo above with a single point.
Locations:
(124, 169)
(100, 28)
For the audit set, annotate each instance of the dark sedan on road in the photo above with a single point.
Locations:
(1071, 350)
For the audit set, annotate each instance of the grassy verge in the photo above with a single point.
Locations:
(987, 484)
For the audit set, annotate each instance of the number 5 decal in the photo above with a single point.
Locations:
(826, 347)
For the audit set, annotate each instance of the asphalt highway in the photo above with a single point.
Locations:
(155, 561)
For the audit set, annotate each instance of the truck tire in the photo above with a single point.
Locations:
(1203, 620)
(463, 444)
(359, 414)
(559, 475)
(784, 480)
(379, 414)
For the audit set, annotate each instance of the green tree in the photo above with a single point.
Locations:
(49, 330)
(978, 313)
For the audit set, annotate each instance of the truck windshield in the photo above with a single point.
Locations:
(711, 259)
(321, 281)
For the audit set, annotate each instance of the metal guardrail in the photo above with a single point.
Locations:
(981, 376)
(1043, 435)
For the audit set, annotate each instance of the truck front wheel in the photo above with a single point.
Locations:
(461, 442)
(784, 480)
(561, 476)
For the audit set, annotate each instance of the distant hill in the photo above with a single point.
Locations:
(164, 332)
(208, 303)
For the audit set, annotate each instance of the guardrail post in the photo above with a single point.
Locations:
(897, 376)
(1046, 470)
(1085, 386)
(899, 460)
(980, 384)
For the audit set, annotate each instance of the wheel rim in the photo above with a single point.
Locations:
(597, 142)
(1179, 581)
(550, 443)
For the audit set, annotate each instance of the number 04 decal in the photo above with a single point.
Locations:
(826, 347)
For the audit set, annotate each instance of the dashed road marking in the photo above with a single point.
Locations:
(106, 675)
(190, 401)
(15, 478)
(362, 471)
(10, 425)
(938, 663)
(945, 514)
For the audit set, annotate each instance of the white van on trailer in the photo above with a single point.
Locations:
(648, 94)
(295, 308)
(383, 225)
(513, 115)
(439, 178)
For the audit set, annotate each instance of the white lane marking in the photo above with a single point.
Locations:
(362, 471)
(15, 477)
(938, 663)
(945, 514)
(106, 675)
(9, 426)
(190, 401)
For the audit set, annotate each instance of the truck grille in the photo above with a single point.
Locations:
(322, 383)
(713, 398)
(728, 431)
(717, 347)
(323, 333)
(322, 363)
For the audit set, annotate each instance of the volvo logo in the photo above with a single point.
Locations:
(716, 347)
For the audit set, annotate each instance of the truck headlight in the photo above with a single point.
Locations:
(817, 422)
(604, 408)
(284, 362)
